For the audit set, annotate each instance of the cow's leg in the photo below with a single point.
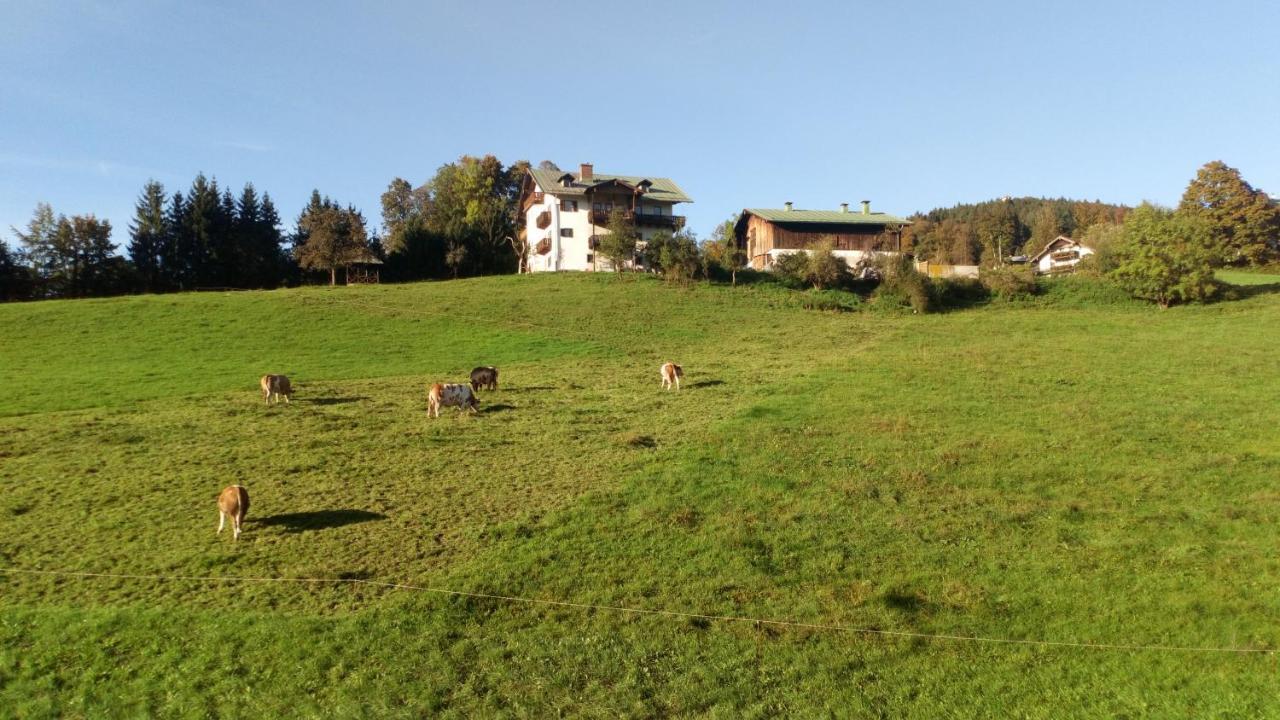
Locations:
(235, 527)
(222, 520)
(286, 399)
(677, 382)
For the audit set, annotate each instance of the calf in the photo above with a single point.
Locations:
(277, 385)
(233, 502)
(484, 377)
(671, 374)
(451, 394)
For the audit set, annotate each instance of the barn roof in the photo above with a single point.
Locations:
(660, 189)
(825, 217)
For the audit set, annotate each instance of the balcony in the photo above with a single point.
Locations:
(544, 219)
(544, 246)
(675, 222)
(531, 200)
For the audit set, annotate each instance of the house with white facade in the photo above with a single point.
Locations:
(1060, 255)
(565, 213)
(768, 233)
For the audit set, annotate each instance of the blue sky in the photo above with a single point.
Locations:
(909, 105)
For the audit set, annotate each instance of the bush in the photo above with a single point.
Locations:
(793, 268)
(957, 292)
(1009, 282)
(825, 270)
(900, 285)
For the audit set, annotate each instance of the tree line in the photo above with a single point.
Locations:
(988, 232)
(464, 220)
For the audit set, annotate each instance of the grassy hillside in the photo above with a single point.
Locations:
(1094, 473)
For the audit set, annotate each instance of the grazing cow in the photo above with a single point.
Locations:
(484, 377)
(671, 374)
(451, 394)
(277, 385)
(233, 502)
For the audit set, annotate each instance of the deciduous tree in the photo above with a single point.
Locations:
(1166, 257)
(1243, 222)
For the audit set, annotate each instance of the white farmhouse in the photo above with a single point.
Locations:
(564, 213)
(1060, 255)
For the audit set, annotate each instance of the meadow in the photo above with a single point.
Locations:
(1075, 469)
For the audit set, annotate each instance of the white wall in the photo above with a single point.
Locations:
(850, 257)
(1047, 263)
(569, 253)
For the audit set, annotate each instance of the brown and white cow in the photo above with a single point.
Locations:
(451, 395)
(277, 385)
(233, 502)
(671, 374)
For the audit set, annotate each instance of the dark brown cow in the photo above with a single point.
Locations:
(484, 377)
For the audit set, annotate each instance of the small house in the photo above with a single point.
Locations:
(1059, 256)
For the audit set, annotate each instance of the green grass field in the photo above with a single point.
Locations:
(1077, 469)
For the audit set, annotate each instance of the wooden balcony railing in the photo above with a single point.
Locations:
(675, 222)
(544, 246)
(531, 200)
(544, 219)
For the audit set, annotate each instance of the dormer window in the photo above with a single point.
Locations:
(566, 180)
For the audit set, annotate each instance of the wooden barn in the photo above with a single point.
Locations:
(766, 234)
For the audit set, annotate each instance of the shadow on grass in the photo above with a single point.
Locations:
(336, 400)
(319, 519)
(529, 388)
(500, 407)
(704, 383)
(907, 602)
(1244, 292)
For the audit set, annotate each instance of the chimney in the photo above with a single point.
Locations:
(787, 204)
(866, 207)
(584, 171)
(844, 207)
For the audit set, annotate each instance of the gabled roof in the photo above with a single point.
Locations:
(825, 217)
(660, 189)
(1060, 240)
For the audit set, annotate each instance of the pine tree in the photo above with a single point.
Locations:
(149, 238)
(179, 263)
(39, 241)
(200, 230)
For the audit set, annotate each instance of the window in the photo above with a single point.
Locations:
(568, 206)
(591, 258)
(566, 232)
(603, 206)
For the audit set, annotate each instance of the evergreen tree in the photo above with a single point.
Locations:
(15, 278)
(179, 260)
(39, 241)
(200, 231)
(150, 235)
(1244, 223)
(278, 264)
